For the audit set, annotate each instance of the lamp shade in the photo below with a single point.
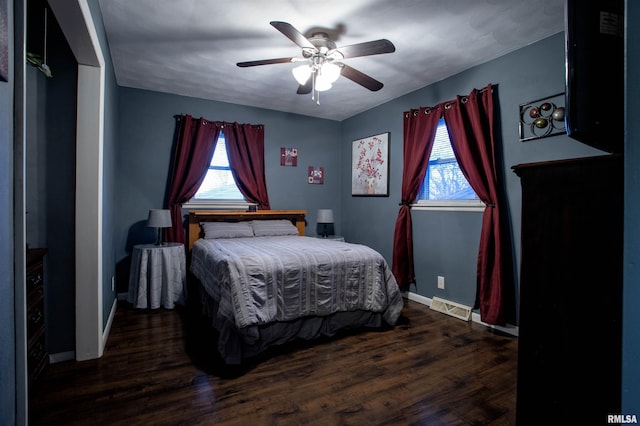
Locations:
(330, 71)
(325, 216)
(302, 73)
(322, 85)
(159, 218)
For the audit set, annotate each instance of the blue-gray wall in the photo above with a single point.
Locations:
(146, 135)
(7, 311)
(631, 294)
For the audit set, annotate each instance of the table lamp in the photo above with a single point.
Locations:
(325, 217)
(159, 218)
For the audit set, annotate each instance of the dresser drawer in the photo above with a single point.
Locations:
(34, 279)
(37, 356)
(35, 314)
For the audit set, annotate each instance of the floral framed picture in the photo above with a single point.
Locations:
(370, 166)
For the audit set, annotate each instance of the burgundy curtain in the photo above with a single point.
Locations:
(419, 132)
(470, 121)
(195, 142)
(245, 147)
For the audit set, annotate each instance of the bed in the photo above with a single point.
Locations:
(263, 282)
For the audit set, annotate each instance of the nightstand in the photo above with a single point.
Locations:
(331, 237)
(158, 276)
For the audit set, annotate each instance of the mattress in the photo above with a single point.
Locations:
(256, 284)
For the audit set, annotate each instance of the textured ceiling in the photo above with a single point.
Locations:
(191, 47)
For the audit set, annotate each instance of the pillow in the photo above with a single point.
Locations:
(226, 230)
(265, 228)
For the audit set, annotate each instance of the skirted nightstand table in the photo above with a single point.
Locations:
(158, 276)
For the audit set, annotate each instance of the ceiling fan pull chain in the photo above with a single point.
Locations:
(45, 36)
(313, 85)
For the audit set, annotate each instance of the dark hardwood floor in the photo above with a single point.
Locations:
(158, 369)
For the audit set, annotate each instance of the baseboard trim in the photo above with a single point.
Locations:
(417, 298)
(475, 317)
(62, 357)
(107, 328)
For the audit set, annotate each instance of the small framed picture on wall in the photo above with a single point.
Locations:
(289, 157)
(315, 175)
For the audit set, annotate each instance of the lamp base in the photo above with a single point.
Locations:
(159, 238)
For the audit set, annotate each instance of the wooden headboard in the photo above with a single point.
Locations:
(196, 216)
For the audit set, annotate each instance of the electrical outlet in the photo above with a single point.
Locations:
(440, 282)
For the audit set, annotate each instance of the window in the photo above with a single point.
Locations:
(444, 185)
(218, 186)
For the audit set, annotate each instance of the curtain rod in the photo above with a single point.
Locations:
(222, 123)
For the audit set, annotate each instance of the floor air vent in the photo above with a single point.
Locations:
(451, 308)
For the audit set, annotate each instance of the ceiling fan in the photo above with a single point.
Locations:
(323, 59)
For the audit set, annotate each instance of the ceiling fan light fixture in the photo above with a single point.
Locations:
(322, 84)
(301, 73)
(330, 72)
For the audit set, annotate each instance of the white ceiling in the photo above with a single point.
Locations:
(191, 47)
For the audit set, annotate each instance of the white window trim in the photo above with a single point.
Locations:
(204, 204)
(449, 205)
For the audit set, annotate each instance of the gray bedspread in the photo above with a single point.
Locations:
(263, 280)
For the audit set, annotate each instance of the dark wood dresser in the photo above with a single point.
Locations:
(569, 344)
(37, 357)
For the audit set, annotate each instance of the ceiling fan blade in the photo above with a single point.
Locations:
(305, 89)
(266, 62)
(375, 47)
(294, 35)
(361, 78)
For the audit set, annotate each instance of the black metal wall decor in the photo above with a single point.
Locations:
(542, 117)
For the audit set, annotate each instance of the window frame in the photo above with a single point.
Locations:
(446, 205)
(218, 203)
(450, 205)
